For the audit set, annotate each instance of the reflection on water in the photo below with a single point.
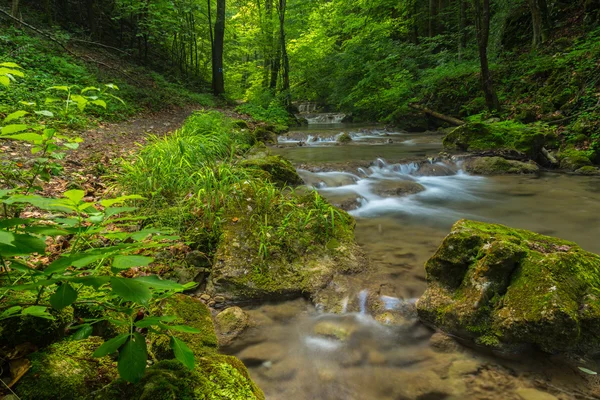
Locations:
(295, 352)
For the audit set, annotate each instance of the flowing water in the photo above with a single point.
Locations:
(297, 351)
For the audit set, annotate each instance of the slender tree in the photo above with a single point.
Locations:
(284, 55)
(218, 82)
(14, 10)
(482, 25)
(539, 18)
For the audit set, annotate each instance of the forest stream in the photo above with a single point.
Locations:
(296, 351)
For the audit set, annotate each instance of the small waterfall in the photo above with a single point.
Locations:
(324, 118)
(362, 299)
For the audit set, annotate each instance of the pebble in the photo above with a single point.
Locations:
(205, 297)
(219, 299)
(463, 367)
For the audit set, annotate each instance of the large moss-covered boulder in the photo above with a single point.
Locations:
(572, 159)
(499, 166)
(290, 247)
(502, 137)
(215, 377)
(509, 288)
(66, 370)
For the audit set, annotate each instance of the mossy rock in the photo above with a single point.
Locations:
(588, 171)
(280, 170)
(230, 323)
(191, 312)
(572, 159)
(38, 331)
(215, 377)
(501, 136)
(265, 135)
(344, 138)
(301, 259)
(66, 370)
(240, 124)
(499, 166)
(510, 289)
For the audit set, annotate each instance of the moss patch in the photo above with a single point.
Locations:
(191, 312)
(280, 171)
(504, 287)
(499, 166)
(38, 331)
(501, 136)
(66, 370)
(572, 159)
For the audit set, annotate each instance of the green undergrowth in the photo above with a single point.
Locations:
(48, 65)
(207, 174)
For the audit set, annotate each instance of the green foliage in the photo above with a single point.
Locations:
(273, 113)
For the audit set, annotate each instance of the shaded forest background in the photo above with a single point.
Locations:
(368, 58)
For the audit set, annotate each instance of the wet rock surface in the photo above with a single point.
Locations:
(499, 166)
(509, 289)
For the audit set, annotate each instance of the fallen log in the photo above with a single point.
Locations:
(442, 117)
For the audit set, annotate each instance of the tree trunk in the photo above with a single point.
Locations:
(284, 55)
(537, 23)
(432, 18)
(482, 25)
(462, 16)
(218, 82)
(14, 11)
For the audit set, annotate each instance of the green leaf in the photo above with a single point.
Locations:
(45, 113)
(45, 230)
(22, 245)
(109, 212)
(94, 281)
(37, 311)
(4, 80)
(111, 346)
(130, 290)
(112, 86)
(7, 238)
(25, 137)
(64, 296)
(184, 329)
(74, 195)
(87, 89)
(11, 222)
(10, 65)
(63, 88)
(182, 352)
(84, 332)
(100, 103)
(111, 202)
(15, 128)
(15, 115)
(10, 312)
(72, 146)
(132, 359)
(126, 262)
(155, 282)
(588, 371)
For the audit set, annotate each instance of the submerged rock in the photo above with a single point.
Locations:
(499, 166)
(435, 169)
(230, 323)
(509, 288)
(389, 188)
(501, 136)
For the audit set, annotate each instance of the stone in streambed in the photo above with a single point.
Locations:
(534, 394)
(388, 188)
(509, 288)
(230, 323)
(499, 166)
(435, 169)
(280, 171)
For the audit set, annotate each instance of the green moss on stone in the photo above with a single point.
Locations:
(588, 170)
(216, 377)
(280, 170)
(344, 138)
(66, 370)
(191, 312)
(490, 281)
(572, 159)
(265, 135)
(501, 136)
(499, 166)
